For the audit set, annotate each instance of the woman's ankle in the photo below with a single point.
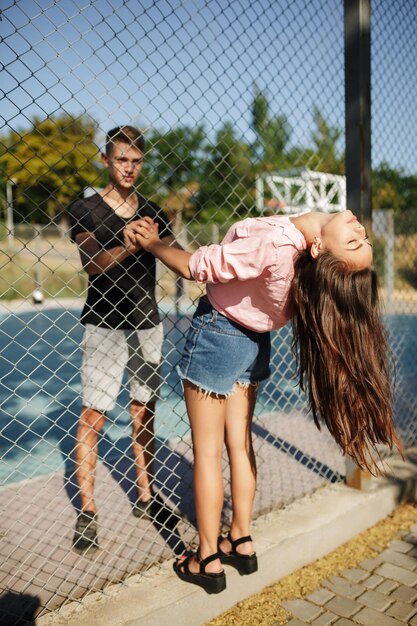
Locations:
(214, 567)
(243, 548)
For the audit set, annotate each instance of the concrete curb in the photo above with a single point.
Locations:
(286, 540)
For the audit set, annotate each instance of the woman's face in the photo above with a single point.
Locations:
(342, 235)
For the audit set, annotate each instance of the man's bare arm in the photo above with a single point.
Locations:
(96, 260)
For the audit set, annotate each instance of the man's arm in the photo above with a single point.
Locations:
(96, 260)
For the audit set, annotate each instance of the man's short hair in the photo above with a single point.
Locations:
(125, 134)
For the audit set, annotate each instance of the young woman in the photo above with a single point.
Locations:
(314, 268)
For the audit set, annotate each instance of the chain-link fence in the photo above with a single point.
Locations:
(242, 107)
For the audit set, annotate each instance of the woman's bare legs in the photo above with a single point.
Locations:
(207, 414)
(240, 408)
(211, 417)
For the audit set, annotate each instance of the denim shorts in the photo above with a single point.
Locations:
(219, 352)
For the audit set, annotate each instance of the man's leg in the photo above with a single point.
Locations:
(143, 446)
(104, 358)
(105, 355)
(145, 348)
(85, 456)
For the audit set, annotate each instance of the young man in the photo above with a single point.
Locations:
(123, 329)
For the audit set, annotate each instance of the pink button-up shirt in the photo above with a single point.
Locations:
(249, 274)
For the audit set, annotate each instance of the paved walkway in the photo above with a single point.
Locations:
(38, 515)
(380, 592)
(287, 540)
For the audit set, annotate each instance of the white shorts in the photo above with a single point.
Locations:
(106, 353)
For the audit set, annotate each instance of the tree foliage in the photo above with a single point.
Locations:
(227, 181)
(50, 164)
(172, 158)
(56, 158)
(325, 138)
(393, 189)
(272, 134)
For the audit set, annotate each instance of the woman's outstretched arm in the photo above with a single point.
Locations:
(145, 232)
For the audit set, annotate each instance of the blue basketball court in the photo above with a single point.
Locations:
(40, 388)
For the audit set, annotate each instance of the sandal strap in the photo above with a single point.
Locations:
(206, 561)
(236, 542)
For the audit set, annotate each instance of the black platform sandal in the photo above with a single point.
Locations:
(244, 563)
(210, 582)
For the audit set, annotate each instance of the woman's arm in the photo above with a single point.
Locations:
(174, 258)
(146, 234)
(240, 259)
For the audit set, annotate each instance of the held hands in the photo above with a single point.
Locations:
(144, 233)
(131, 245)
(141, 233)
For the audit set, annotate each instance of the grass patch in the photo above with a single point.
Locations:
(20, 275)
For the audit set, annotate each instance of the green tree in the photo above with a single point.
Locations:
(386, 183)
(272, 134)
(50, 164)
(324, 156)
(173, 161)
(393, 189)
(3, 192)
(227, 183)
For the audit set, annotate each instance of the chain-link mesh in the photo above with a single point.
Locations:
(242, 107)
(394, 181)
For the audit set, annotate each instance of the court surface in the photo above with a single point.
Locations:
(40, 387)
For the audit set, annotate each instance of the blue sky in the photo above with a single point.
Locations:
(167, 63)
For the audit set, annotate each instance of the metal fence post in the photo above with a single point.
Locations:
(9, 211)
(358, 108)
(357, 16)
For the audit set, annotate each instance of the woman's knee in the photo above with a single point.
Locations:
(206, 452)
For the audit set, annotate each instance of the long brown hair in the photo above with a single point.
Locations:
(343, 355)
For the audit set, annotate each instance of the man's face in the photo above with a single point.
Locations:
(124, 164)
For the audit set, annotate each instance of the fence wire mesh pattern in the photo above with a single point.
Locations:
(242, 108)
